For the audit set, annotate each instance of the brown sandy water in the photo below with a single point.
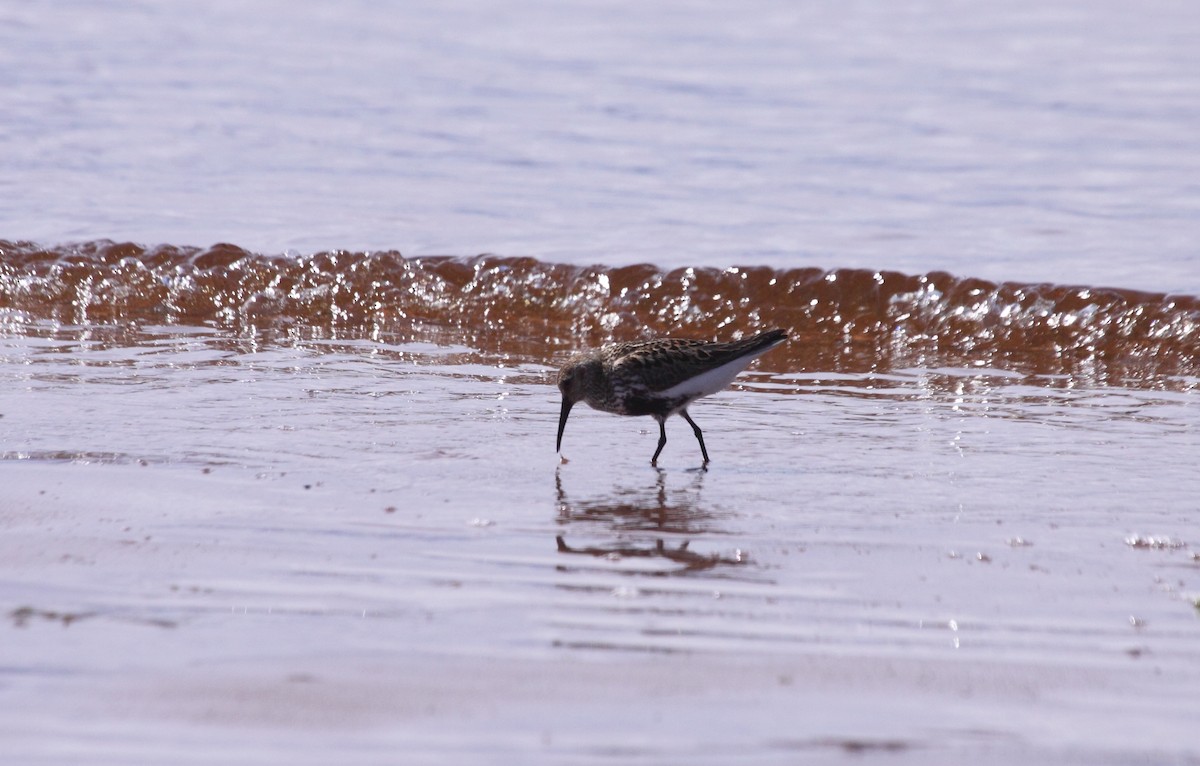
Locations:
(259, 509)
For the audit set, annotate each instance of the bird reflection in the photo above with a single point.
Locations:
(654, 510)
(691, 561)
(639, 509)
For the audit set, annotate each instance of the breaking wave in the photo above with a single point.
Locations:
(845, 319)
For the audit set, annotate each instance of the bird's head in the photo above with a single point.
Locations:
(574, 381)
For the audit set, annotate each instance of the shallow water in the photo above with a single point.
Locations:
(293, 542)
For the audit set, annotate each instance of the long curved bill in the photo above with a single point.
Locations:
(562, 421)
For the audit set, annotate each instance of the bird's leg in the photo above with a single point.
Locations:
(695, 430)
(662, 438)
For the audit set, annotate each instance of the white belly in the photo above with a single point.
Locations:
(708, 383)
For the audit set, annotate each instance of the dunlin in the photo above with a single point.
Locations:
(657, 377)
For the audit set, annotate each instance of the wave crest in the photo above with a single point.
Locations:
(843, 319)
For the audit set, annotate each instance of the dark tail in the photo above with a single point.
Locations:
(758, 344)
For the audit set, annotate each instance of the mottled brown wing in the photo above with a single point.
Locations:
(666, 362)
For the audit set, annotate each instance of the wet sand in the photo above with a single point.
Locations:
(166, 619)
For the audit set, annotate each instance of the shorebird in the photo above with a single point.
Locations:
(657, 377)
